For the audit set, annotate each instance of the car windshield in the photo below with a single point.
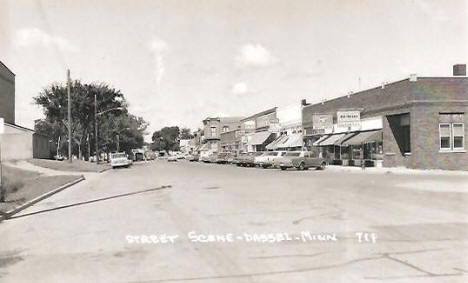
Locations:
(292, 154)
(119, 155)
(258, 153)
(272, 153)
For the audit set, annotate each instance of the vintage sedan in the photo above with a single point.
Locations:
(193, 157)
(301, 160)
(120, 159)
(268, 158)
(224, 158)
(248, 160)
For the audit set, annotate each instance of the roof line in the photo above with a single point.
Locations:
(7, 68)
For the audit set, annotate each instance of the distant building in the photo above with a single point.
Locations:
(258, 130)
(7, 94)
(212, 129)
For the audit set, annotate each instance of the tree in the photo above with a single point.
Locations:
(185, 134)
(53, 101)
(166, 139)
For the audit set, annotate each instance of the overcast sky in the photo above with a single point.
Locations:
(178, 62)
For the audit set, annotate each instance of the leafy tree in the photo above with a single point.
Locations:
(185, 134)
(166, 139)
(111, 105)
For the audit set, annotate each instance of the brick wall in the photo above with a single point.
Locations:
(7, 95)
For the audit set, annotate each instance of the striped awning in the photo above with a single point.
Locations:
(294, 140)
(364, 137)
(321, 139)
(259, 138)
(274, 144)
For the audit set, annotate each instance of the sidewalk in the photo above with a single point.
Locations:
(24, 165)
(395, 170)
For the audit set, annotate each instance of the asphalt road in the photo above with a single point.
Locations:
(266, 225)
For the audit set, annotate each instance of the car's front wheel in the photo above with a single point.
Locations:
(322, 166)
(283, 168)
(301, 166)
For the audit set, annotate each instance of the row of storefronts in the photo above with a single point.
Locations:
(416, 122)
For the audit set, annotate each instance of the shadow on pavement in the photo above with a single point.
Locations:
(91, 201)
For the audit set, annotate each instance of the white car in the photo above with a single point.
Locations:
(120, 159)
(172, 158)
(268, 158)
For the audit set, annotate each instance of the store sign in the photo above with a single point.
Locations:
(2, 126)
(348, 119)
(322, 124)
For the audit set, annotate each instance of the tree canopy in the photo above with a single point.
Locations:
(113, 118)
(166, 139)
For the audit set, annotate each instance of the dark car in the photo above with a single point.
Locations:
(193, 157)
(224, 158)
(301, 160)
(248, 159)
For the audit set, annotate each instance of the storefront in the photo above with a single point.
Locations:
(415, 123)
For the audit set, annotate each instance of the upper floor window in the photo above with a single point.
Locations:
(451, 131)
(213, 131)
(225, 129)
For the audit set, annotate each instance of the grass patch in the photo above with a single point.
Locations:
(75, 166)
(22, 185)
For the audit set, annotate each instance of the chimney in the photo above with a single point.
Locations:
(304, 102)
(459, 70)
(413, 77)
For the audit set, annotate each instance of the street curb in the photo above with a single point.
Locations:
(12, 212)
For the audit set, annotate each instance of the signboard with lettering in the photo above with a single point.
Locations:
(322, 124)
(348, 119)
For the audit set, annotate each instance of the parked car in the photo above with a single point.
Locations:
(267, 160)
(120, 159)
(213, 157)
(302, 160)
(248, 159)
(224, 158)
(193, 157)
(205, 156)
(172, 158)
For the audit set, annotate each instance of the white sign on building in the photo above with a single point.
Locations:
(2, 126)
(348, 119)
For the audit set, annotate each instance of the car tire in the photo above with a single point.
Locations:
(322, 166)
(283, 168)
(301, 166)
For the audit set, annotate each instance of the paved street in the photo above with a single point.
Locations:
(82, 234)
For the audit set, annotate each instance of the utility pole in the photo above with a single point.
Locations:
(95, 129)
(69, 119)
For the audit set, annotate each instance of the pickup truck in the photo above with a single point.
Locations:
(301, 160)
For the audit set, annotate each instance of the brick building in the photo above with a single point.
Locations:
(418, 122)
(213, 128)
(258, 130)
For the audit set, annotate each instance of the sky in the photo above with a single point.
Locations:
(180, 61)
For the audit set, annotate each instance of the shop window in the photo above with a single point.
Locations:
(451, 131)
(400, 126)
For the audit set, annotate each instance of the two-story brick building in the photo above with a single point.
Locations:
(212, 129)
(258, 130)
(417, 122)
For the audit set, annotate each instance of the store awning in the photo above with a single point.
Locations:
(294, 140)
(331, 140)
(344, 138)
(274, 144)
(364, 137)
(321, 139)
(259, 138)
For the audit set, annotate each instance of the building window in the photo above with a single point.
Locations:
(451, 131)
(213, 131)
(225, 129)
